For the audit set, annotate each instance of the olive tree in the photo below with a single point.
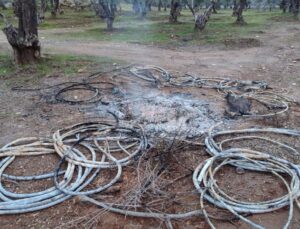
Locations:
(142, 7)
(175, 9)
(200, 18)
(24, 39)
(43, 7)
(238, 11)
(295, 7)
(106, 10)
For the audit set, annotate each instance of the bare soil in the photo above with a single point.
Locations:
(276, 60)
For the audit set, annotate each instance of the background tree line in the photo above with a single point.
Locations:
(24, 38)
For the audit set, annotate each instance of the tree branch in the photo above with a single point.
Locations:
(190, 7)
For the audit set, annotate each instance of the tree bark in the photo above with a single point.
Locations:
(43, 9)
(235, 7)
(109, 23)
(144, 9)
(239, 12)
(283, 5)
(24, 39)
(145, 6)
(201, 20)
(226, 4)
(174, 11)
(214, 6)
(159, 5)
(295, 7)
(56, 8)
(105, 9)
(136, 7)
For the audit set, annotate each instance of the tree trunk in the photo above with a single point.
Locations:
(239, 13)
(201, 20)
(235, 7)
(136, 7)
(114, 7)
(283, 5)
(56, 8)
(109, 22)
(295, 7)
(214, 6)
(174, 11)
(159, 5)
(43, 9)
(226, 4)
(145, 8)
(24, 39)
(290, 6)
(106, 11)
(144, 11)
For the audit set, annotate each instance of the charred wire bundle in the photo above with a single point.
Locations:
(270, 101)
(273, 100)
(60, 92)
(150, 73)
(96, 97)
(161, 76)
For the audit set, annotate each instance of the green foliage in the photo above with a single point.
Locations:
(9, 15)
(52, 65)
(69, 19)
(6, 65)
(155, 29)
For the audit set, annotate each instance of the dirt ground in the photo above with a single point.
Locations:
(275, 59)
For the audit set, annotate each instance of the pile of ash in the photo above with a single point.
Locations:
(166, 115)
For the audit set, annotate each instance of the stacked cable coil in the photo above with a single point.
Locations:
(248, 159)
(87, 149)
(209, 190)
(106, 146)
